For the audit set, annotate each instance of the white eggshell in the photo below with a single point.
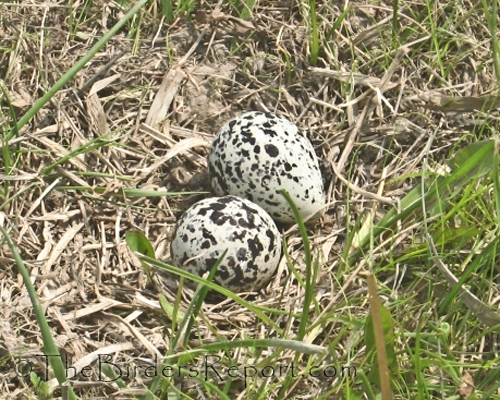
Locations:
(215, 224)
(256, 154)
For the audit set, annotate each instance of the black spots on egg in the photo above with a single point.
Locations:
(215, 172)
(271, 203)
(247, 137)
(253, 269)
(217, 143)
(182, 259)
(251, 213)
(227, 200)
(217, 206)
(255, 246)
(224, 273)
(212, 171)
(224, 186)
(237, 169)
(218, 217)
(231, 263)
(241, 254)
(208, 235)
(272, 150)
(270, 132)
(237, 278)
(228, 170)
(266, 180)
(270, 117)
(311, 154)
(248, 222)
(209, 263)
(237, 236)
(249, 117)
(243, 222)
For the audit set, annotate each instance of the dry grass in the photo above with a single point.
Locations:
(151, 102)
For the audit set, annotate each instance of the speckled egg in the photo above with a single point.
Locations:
(215, 224)
(256, 154)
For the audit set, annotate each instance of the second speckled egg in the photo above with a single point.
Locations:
(244, 229)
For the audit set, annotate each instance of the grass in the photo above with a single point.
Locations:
(313, 33)
(50, 349)
(412, 274)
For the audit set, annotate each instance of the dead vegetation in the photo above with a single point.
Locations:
(141, 115)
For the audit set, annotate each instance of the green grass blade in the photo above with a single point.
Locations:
(168, 10)
(7, 156)
(337, 24)
(49, 344)
(309, 283)
(96, 143)
(491, 14)
(128, 192)
(314, 33)
(137, 241)
(309, 288)
(198, 298)
(187, 322)
(395, 24)
(379, 339)
(246, 12)
(294, 345)
(257, 310)
(12, 114)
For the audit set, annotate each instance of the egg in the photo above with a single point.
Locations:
(256, 154)
(215, 224)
